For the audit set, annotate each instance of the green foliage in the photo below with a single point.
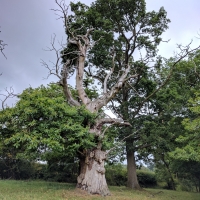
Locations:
(164, 175)
(116, 174)
(170, 130)
(188, 174)
(146, 178)
(42, 123)
(189, 149)
(186, 185)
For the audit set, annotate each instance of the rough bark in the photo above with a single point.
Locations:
(92, 173)
(131, 169)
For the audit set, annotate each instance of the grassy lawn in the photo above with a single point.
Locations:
(40, 190)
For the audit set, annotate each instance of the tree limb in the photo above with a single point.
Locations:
(2, 47)
(97, 128)
(109, 74)
(10, 94)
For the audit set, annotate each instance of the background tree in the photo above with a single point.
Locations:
(29, 132)
(42, 122)
(172, 109)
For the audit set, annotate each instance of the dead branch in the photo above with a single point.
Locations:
(97, 128)
(103, 121)
(2, 47)
(109, 74)
(61, 71)
(9, 94)
(56, 66)
(64, 12)
(83, 43)
(66, 89)
(103, 100)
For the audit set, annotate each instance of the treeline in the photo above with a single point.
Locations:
(19, 169)
(116, 174)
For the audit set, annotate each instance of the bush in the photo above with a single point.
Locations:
(61, 172)
(146, 178)
(16, 169)
(186, 185)
(116, 174)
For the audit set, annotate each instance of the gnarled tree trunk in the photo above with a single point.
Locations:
(92, 173)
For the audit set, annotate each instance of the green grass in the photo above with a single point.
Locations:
(40, 190)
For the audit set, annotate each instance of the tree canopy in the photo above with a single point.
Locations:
(42, 122)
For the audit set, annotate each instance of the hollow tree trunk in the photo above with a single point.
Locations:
(92, 173)
(131, 170)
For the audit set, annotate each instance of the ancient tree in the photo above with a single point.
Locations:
(75, 56)
(110, 44)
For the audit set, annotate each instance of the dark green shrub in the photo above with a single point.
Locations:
(116, 174)
(61, 172)
(18, 169)
(39, 170)
(146, 178)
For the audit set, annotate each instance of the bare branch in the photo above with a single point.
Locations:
(64, 12)
(103, 121)
(2, 47)
(56, 66)
(103, 100)
(61, 71)
(10, 94)
(66, 89)
(109, 74)
(112, 121)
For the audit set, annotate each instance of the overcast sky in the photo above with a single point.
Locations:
(27, 26)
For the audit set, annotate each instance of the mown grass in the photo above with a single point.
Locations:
(40, 190)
